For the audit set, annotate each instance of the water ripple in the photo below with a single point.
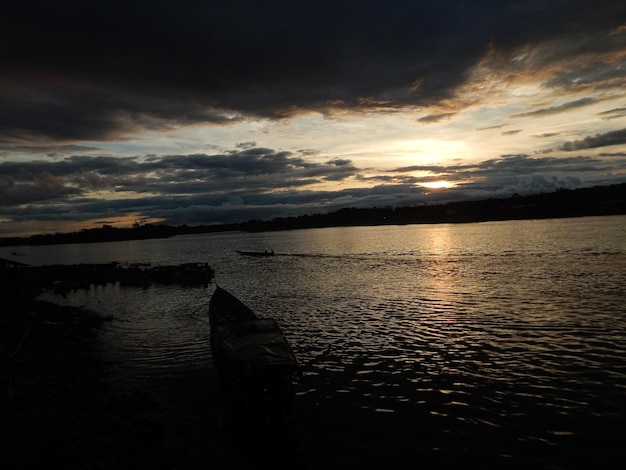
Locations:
(512, 332)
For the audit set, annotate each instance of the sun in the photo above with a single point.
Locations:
(437, 184)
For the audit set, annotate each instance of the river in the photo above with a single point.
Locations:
(495, 342)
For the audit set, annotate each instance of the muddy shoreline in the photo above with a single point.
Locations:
(58, 408)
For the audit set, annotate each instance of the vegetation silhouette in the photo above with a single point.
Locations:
(597, 200)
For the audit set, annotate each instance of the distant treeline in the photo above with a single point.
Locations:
(598, 200)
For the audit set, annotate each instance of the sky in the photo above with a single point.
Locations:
(203, 112)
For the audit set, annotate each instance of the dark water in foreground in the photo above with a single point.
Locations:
(499, 344)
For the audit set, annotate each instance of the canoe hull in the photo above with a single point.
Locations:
(255, 362)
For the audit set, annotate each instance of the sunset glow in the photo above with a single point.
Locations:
(93, 130)
(437, 184)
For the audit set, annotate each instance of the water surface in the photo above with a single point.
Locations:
(504, 341)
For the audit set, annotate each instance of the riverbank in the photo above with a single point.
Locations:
(56, 406)
(581, 202)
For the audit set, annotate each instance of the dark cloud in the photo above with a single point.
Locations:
(526, 165)
(44, 187)
(434, 118)
(100, 70)
(489, 128)
(513, 166)
(599, 140)
(546, 135)
(558, 109)
(75, 74)
(263, 183)
(250, 171)
(613, 113)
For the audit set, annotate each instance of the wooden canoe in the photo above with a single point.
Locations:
(255, 361)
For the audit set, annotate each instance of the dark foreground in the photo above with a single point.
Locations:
(57, 407)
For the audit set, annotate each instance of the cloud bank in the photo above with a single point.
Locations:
(101, 70)
(259, 183)
(82, 82)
